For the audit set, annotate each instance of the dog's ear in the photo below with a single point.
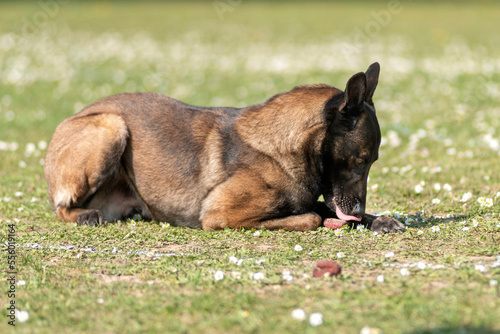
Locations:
(343, 109)
(372, 74)
(355, 90)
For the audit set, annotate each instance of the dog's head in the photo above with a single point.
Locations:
(351, 145)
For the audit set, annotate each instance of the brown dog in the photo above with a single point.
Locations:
(259, 166)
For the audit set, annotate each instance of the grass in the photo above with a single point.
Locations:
(437, 106)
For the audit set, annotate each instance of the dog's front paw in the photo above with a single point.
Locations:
(90, 218)
(386, 225)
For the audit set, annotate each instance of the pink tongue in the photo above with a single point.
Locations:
(341, 215)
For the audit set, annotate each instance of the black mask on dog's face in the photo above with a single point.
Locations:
(351, 145)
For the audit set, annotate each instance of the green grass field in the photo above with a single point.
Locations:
(438, 172)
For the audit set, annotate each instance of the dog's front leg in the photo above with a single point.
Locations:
(244, 201)
(382, 224)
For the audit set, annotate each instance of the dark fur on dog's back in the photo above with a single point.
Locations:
(260, 166)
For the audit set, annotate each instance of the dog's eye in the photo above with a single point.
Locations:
(359, 161)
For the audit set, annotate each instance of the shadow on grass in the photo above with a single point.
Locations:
(465, 330)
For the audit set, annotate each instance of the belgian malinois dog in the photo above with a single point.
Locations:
(260, 166)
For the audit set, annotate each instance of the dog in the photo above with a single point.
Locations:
(263, 166)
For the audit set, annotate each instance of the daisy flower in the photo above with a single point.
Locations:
(236, 274)
(436, 201)
(174, 270)
(132, 222)
(465, 228)
(418, 188)
(447, 187)
(409, 221)
(380, 279)
(390, 254)
(466, 196)
(420, 232)
(298, 314)
(435, 228)
(493, 282)
(256, 234)
(340, 255)
(165, 225)
(258, 276)
(404, 272)
(150, 254)
(480, 268)
(316, 319)
(219, 275)
(233, 259)
(298, 248)
(287, 276)
(475, 223)
(338, 232)
(437, 186)
(360, 227)
(21, 282)
(22, 316)
(137, 217)
(481, 200)
(488, 202)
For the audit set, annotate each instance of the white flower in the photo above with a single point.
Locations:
(360, 227)
(375, 233)
(409, 221)
(370, 330)
(436, 201)
(298, 248)
(287, 276)
(19, 194)
(380, 279)
(390, 254)
(149, 254)
(488, 202)
(298, 314)
(421, 265)
(233, 259)
(418, 188)
(466, 196)
(338, 232)
(174, 270)
(493, 282)
(481, 200)
(236, 274)
(22, 316)
(374, 187)
(340, 255)
(437, 186)
(164, 225)
(480, 267)
(258, 276)
(42, 144)
(256, 234)
(435, 228)
(137, 217)
(219, 275)
(465, 228)
(100, 301)
(21, 282)
(447, 187)
(316, 319)
(404, 272)
(420, 232)
(475, 223)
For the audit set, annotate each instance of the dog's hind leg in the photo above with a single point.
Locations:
(83, 163)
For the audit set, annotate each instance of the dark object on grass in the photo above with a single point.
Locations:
(326, 268)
